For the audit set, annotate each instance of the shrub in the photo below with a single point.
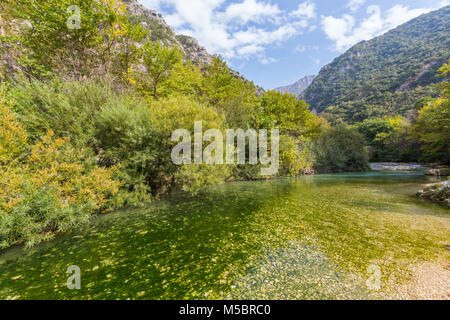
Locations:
(66, 108)
(46, 188)
(433, 131)
(388, 139)
(181, 113)
(340, 149)
(139, 137)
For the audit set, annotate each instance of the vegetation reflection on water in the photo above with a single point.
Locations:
(304, 238)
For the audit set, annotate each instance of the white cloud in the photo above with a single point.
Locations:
(302, 48)
(251, 49)
(305, 10)
(345, 32)
(242, 29)
(354, 5)
(267, 60)
(251, 10)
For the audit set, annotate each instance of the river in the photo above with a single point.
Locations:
(316, 237)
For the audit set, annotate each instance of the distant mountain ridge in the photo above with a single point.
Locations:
(298, 87)
(386, 75)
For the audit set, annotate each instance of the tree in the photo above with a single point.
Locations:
(340, 149)
(433, 124)
(159, 63)
(127, 50)
(388, 139)
(74, 37)
(229, 94)
(433, 131)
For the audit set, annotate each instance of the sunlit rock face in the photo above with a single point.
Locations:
(161, 31)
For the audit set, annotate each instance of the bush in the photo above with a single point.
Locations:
(66, 108)
(388, 139)
(181, 113)
(340, 149)
(139, 137)
(124, 134)
(48, 187)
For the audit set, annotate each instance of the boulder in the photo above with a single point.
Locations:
(442, 171)
(438, 192)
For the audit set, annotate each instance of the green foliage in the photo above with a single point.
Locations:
(433, 131)
(294, 156)
(388, 139)
(432, 128)
(66, 108)
(340, 149)
(297, 125)
(127, 50)
(230, 95)
(181, 113)
(444, 72)
(47, 187)
(386, 75)
(74, 52)
(92, 111)
(13, 138)
(159, 63)
(283, 111)
(138, 137)
(124, 135)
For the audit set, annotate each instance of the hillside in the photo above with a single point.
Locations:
(297, 88)
(386, 75)
(160, 31)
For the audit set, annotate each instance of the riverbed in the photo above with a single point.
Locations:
(347, 236)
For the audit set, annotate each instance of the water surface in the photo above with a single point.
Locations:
(304, 238)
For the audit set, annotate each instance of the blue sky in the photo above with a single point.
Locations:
(276, 42)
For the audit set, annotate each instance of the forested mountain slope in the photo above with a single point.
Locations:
(386, 75)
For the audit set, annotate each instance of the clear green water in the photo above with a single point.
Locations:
(304, 238)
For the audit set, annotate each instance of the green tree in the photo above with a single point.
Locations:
(159, 62)
(433, 124)
(229, 94)
(388, 139)
(127, 49)
(340, 149)
(433, 131)
(74, 37)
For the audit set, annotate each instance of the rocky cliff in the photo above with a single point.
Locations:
(298, 87)
(161, 31)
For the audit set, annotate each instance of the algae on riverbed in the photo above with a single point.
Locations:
(311, 238)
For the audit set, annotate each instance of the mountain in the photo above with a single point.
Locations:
(386, 75)
(298, 87)
(161, 31)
